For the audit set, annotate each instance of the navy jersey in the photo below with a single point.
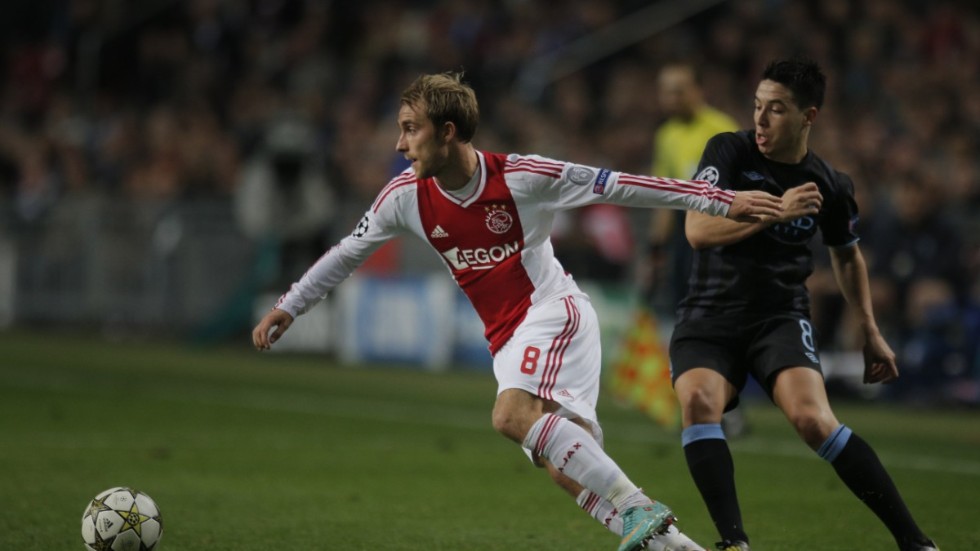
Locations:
(765, 274)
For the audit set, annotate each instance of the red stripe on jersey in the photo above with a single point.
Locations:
(543, 167)
(556, 354)
(668, 183)
(556, 344)
(679, 186)
(539, 171)
(405, 179)
(401, 178)
(549, 425)
(540, 163)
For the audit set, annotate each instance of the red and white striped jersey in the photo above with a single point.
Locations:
(496, 240)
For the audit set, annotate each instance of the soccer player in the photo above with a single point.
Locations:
(746, 311)
(489, 216)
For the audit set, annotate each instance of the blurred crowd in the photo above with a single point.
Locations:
(285, 110)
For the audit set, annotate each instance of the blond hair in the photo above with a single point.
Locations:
(445, 98)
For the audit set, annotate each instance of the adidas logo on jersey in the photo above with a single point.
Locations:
(438, 232)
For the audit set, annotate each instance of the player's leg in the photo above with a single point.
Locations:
(607, 515)
(571, 449)
(801, 394)
(703, 394)
(703, 369)
(555, 358)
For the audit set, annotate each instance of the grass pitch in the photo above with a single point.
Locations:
(246, 451)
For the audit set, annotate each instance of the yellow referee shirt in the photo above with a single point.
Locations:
(678, 143)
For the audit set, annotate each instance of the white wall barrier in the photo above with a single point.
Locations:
(469, 346)
(424, 321)
(314, 332)
(395, 319)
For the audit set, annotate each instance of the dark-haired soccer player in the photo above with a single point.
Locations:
(747, 309)
(489, 217)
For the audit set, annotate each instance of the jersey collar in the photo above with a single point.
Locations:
(468, 194)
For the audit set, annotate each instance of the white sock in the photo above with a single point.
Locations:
(608, 516)
(601, 510)
(575, 453)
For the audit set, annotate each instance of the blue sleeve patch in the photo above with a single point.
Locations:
(600, 182)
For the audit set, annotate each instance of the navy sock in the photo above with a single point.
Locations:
(861, 470)
(711, 466)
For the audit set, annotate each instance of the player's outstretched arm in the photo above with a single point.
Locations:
(755, 206)
(707, 231)
(276, 321)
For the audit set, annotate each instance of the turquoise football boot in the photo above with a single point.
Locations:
(642, 522)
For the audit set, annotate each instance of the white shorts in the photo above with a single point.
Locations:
(555, 354)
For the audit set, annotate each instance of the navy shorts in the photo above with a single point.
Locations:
(736, 347)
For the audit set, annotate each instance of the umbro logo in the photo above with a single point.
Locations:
(438, 232)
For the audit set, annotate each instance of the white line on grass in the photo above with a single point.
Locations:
(465, 418)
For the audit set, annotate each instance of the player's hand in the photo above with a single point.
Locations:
(800, 201)
(879, 361)
(276, 319)
(755, 206)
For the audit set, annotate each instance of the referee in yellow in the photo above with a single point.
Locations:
(678, 144)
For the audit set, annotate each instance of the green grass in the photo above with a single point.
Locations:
(247, 451)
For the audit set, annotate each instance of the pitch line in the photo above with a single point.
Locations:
(468, 419)
(414, 413)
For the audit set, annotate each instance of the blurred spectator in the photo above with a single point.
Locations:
(920, 248)
(918, 273)
(285, 197)
(37, 186)
(172, 102)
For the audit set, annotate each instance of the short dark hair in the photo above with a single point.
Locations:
(802, 76)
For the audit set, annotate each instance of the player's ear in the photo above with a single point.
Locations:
(447, 132)
(809, 115)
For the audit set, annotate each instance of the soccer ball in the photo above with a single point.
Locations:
(122, 519)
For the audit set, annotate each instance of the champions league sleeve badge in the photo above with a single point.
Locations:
(362, 227)
(580, 175)
(708, 174)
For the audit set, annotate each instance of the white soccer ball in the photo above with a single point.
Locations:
(122, 519)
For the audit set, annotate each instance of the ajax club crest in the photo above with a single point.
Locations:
(498, 219)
